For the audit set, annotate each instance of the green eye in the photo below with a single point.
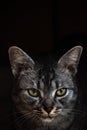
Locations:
(61, 92)
(33, 92)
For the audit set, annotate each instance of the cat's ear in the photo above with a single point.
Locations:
(70, 60)
(19, 60)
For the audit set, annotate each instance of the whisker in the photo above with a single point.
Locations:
(16, 113)
(34, 117)
(17, 119)
(25, 118)
(79, 111)
(76, 112)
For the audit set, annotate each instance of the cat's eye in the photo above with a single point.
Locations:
(61, 92)
(33, 92)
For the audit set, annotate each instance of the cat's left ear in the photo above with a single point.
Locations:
(70, 60)
(20, 61)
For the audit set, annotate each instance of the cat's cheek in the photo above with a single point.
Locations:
(24, 97)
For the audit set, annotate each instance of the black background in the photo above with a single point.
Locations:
(40, 27)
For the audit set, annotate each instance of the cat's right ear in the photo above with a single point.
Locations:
(19, 60)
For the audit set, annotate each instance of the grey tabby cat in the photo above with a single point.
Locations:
(45, 96)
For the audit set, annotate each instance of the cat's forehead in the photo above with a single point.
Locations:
(46, 77)
(52, 77)
(48, 73)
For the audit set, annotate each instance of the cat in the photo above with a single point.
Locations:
(45, 96)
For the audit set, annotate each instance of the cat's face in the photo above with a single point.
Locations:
(45, 94)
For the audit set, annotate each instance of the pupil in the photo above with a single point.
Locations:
(61, 90)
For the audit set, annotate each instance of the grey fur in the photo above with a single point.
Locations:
(47, 79)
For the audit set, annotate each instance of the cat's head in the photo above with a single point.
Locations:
(45, 93)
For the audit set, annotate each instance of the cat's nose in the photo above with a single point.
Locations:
(48, 109)
(48, 105)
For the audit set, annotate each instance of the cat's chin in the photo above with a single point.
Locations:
(47, 120)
